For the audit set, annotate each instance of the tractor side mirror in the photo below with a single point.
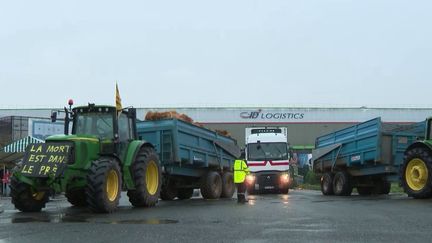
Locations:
(54, 116)
(429, 129)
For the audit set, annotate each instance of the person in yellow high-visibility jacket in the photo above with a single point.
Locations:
(240, 171)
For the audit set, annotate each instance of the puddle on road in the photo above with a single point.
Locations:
(78, 219)
(147, 221)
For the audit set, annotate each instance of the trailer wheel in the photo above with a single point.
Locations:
(185, 193)
(327, 184)
(168, 191)
(342, 184)
(416, 173)
(228, 186)
(76, 197)
(25, 198)
(211, 185)
(146, 173)
(104, 182)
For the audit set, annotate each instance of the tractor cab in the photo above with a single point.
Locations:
(114, 130)
(104, 123)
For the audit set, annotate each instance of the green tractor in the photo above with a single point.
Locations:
(100, 158)
(416, 173)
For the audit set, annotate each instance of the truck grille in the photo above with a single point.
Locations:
(268, 182)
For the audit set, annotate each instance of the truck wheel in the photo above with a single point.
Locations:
(104, 183)
(25, 198)
(169, 191)
(342, 184)
(185, 193)
(416, 173)
(327, 184)
(146, 173)
(364, 190)
(76, 197)
(211, 185)
(228, 186)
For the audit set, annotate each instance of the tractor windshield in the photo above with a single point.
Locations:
(95, 123)
(267, 151)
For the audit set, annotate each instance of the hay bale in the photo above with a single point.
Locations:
(223, 133)
(155, 116)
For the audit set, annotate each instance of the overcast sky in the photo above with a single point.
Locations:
(213, 53)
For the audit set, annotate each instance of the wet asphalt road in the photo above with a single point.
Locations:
(301, 216)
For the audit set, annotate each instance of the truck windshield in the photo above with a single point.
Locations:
(267, 151)
(95, 123)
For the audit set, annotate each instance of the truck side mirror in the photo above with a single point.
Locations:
(54, 116)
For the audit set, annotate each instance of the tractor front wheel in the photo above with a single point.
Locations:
(104, 182)
(25, 198)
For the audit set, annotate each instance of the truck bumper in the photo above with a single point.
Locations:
(261, 182)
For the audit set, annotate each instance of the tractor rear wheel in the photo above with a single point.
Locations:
(211, 185)
(25, 198)
(146, 173)
(185, 193)
(104, 183)
(228, 186)
(76, 197)
(342, 184)
(416, 173)
(327, 184)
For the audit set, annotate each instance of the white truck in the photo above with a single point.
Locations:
(268, 159)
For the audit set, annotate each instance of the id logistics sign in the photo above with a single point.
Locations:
(298, 115)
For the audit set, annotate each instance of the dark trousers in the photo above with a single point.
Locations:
(241, 192)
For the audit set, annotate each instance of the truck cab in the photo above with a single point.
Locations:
(267, 156)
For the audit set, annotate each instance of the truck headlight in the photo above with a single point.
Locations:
(250, 179)
(284, 178)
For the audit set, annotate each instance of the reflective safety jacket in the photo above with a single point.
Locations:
(240, 171)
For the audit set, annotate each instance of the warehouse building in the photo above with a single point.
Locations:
(304, 124)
